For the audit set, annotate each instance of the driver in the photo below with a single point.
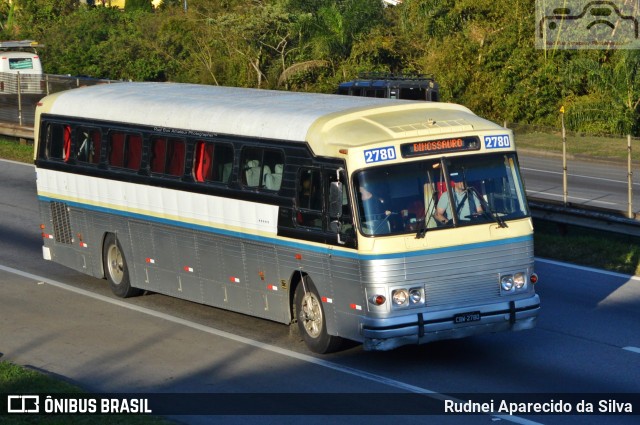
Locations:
(466, 200)
(372, 204)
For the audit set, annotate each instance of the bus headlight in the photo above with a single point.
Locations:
(506, 282)
(415, 295)
(519, 280)
(400, 296)
(512, 283)
(408, 297)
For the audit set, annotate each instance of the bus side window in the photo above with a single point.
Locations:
(94, 151)
(125, 150)
(133, 157)
(273, 168)
(212, 162)
(223, 162)
(347, 228)
(55, 142)
(158, 154)
(175, 157)
(66, 152)
(88, 145)
(258, 165)
(116, 149)
(202, 169)
(252, 167)
(309, 196)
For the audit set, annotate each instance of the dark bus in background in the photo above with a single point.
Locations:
(413, 87)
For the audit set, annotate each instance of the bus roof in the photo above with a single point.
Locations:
(327, 122)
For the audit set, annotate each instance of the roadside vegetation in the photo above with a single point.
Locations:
(482, 52)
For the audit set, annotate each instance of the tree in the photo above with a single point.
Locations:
(604, 92)
(138, 5)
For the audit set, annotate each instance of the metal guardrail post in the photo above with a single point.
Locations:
(565, 192)
(19, 100)
(629, 179)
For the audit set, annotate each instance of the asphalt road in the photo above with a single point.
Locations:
(67, 324)
(589, 182)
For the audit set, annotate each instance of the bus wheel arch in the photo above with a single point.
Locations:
(115, 268)
(310, 316)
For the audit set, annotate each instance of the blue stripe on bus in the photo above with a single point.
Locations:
(289, 244)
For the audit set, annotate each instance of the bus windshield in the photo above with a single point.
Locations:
(413, 197)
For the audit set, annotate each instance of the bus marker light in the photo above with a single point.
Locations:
(188, 269)
(234, 279)
(327, 300)
(533, 278)
(377, 299)
(83, 245)
(298, 256)
(150, 260)
(42, 227)
(355, 307)
(272, 287)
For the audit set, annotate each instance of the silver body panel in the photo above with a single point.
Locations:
(253, 276)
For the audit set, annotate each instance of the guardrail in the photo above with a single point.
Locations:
(19, 95)
(585, 216)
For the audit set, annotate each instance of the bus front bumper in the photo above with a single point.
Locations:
(382, 334)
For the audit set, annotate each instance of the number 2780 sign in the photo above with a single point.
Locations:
(380, 154)
(497, 142)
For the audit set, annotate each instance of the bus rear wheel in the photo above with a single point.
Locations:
(116, 270)
(311, 320)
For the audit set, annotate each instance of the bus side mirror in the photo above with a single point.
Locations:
(335, 200)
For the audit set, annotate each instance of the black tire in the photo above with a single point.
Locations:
(116, 270)
(311, 320)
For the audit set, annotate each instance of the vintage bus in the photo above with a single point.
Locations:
(254, 201)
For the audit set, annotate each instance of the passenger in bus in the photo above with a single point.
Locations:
(310, 194)
(467, 203)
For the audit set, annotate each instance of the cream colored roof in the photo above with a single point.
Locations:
(327, 122)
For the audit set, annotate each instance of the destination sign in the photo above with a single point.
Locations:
(432, 147)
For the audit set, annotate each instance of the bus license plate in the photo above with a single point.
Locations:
(472, 316)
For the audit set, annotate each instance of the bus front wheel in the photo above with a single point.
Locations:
(311, 319)
(116, 270)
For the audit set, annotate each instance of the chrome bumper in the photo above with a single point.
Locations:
(420, 327)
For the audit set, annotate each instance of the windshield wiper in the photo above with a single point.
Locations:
(486, 209)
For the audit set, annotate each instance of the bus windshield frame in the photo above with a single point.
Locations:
(412, 198)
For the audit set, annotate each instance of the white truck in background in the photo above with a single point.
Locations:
(20, 68)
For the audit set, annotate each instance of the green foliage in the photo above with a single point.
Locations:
(480, 51)
(138, 5)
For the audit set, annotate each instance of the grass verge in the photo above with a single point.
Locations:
(19, 380)
(15, 151)
(610, 148)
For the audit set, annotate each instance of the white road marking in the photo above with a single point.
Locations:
(576, 175)
(595, 201)
(282, 351)
(588, 269)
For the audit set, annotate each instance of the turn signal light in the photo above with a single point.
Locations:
(377, 299)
